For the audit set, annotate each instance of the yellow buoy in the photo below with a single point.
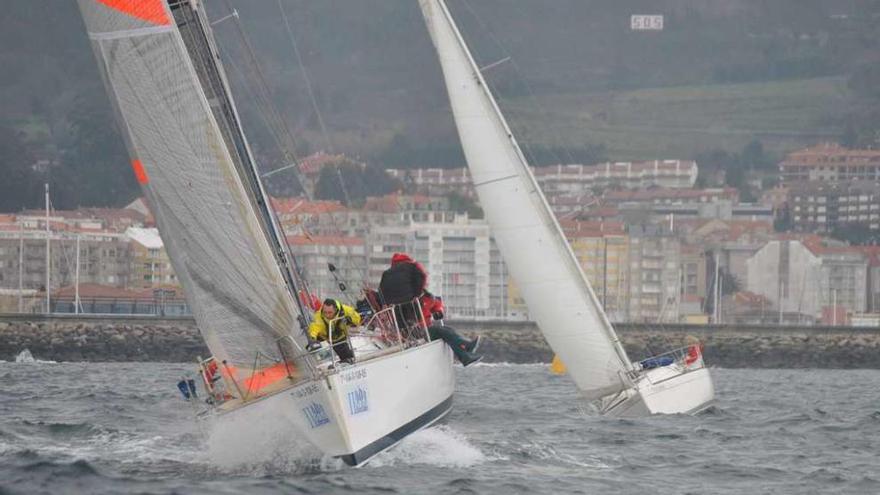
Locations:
(557, 366)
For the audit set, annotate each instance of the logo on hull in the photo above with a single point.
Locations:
(316, 415)
(357, 401)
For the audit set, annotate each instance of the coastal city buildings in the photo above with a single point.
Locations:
(150, 266)
(811, 276)
(655, 247)
(564, 179)
(823, 207)
(829, 162)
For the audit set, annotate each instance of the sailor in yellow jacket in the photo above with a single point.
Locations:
(342, 318)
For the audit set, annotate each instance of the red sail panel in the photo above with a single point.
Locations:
(145, 10)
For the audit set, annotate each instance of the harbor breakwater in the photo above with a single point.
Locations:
(114, 338)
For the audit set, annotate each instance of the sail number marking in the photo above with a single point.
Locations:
(306, 391)
(353, 375)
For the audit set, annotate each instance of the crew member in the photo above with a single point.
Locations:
(341, 317)
(405, 281)
(433, 309)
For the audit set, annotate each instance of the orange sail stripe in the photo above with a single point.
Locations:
(265, 377)
(145, 10)
(139, 172)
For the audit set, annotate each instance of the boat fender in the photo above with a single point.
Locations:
(656, 362)
(184, 389)
(191, 385)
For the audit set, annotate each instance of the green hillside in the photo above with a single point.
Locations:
(679, 122)
(579, 83)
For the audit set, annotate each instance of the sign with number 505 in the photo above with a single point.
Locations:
(646, 22)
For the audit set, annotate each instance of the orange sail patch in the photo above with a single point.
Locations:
(145, 10)
(265, 377)
(139, 172)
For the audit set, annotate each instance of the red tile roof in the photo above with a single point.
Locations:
(288, 206)
(392, 203)
(97, 291)
(830, 153)
(324, 240)
(671, 194)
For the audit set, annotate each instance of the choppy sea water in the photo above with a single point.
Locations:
(112, 428)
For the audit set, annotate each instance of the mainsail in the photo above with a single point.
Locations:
(557, 293)
(189, 163)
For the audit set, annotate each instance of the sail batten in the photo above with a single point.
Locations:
(536, 253)
(199, 193)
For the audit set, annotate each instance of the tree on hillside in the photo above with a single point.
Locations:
(463, 204)
(857, 233)
(753, 156)
(736, 166)
(354, 181)
(95, 170)
(783, 221)
(21, 186)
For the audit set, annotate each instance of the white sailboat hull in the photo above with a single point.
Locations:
(362, 409)
(665, 390)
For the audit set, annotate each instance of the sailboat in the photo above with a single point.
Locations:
(540, 260)
(161, 69)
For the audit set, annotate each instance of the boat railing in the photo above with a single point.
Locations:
(398, 325)
(301, 356)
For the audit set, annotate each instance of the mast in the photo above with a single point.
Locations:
(199, 39)
(20, 264)
(539, 257)
(48, 256)
(76, 278)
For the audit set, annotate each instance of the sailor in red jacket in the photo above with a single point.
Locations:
(406, 280)
(433, 309)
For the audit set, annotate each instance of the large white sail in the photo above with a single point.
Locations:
(215, 238)
(554, 287)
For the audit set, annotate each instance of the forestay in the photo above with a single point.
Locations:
(212, 233)
(540, 260)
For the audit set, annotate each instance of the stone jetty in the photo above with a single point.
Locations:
(71, 338)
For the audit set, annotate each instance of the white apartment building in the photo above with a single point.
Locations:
(804, 276)
(464, 266)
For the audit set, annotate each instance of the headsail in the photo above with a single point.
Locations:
(217, 239)
(557, 293)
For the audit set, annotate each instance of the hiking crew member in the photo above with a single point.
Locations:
(433, 309)
(406, 280)
(342, 317)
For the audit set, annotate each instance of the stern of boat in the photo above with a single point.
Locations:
(682, 385)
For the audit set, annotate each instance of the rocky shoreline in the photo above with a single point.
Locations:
(177, 340)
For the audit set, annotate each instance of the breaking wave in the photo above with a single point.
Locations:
(25, 356)
(436, 446)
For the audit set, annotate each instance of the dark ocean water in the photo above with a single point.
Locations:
(112, 428)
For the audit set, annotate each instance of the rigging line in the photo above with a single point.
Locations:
(306, 78)
(280, 130)
(312, 98)
(529, 91)
(269, 119)
(262, 110)
(289, 149)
